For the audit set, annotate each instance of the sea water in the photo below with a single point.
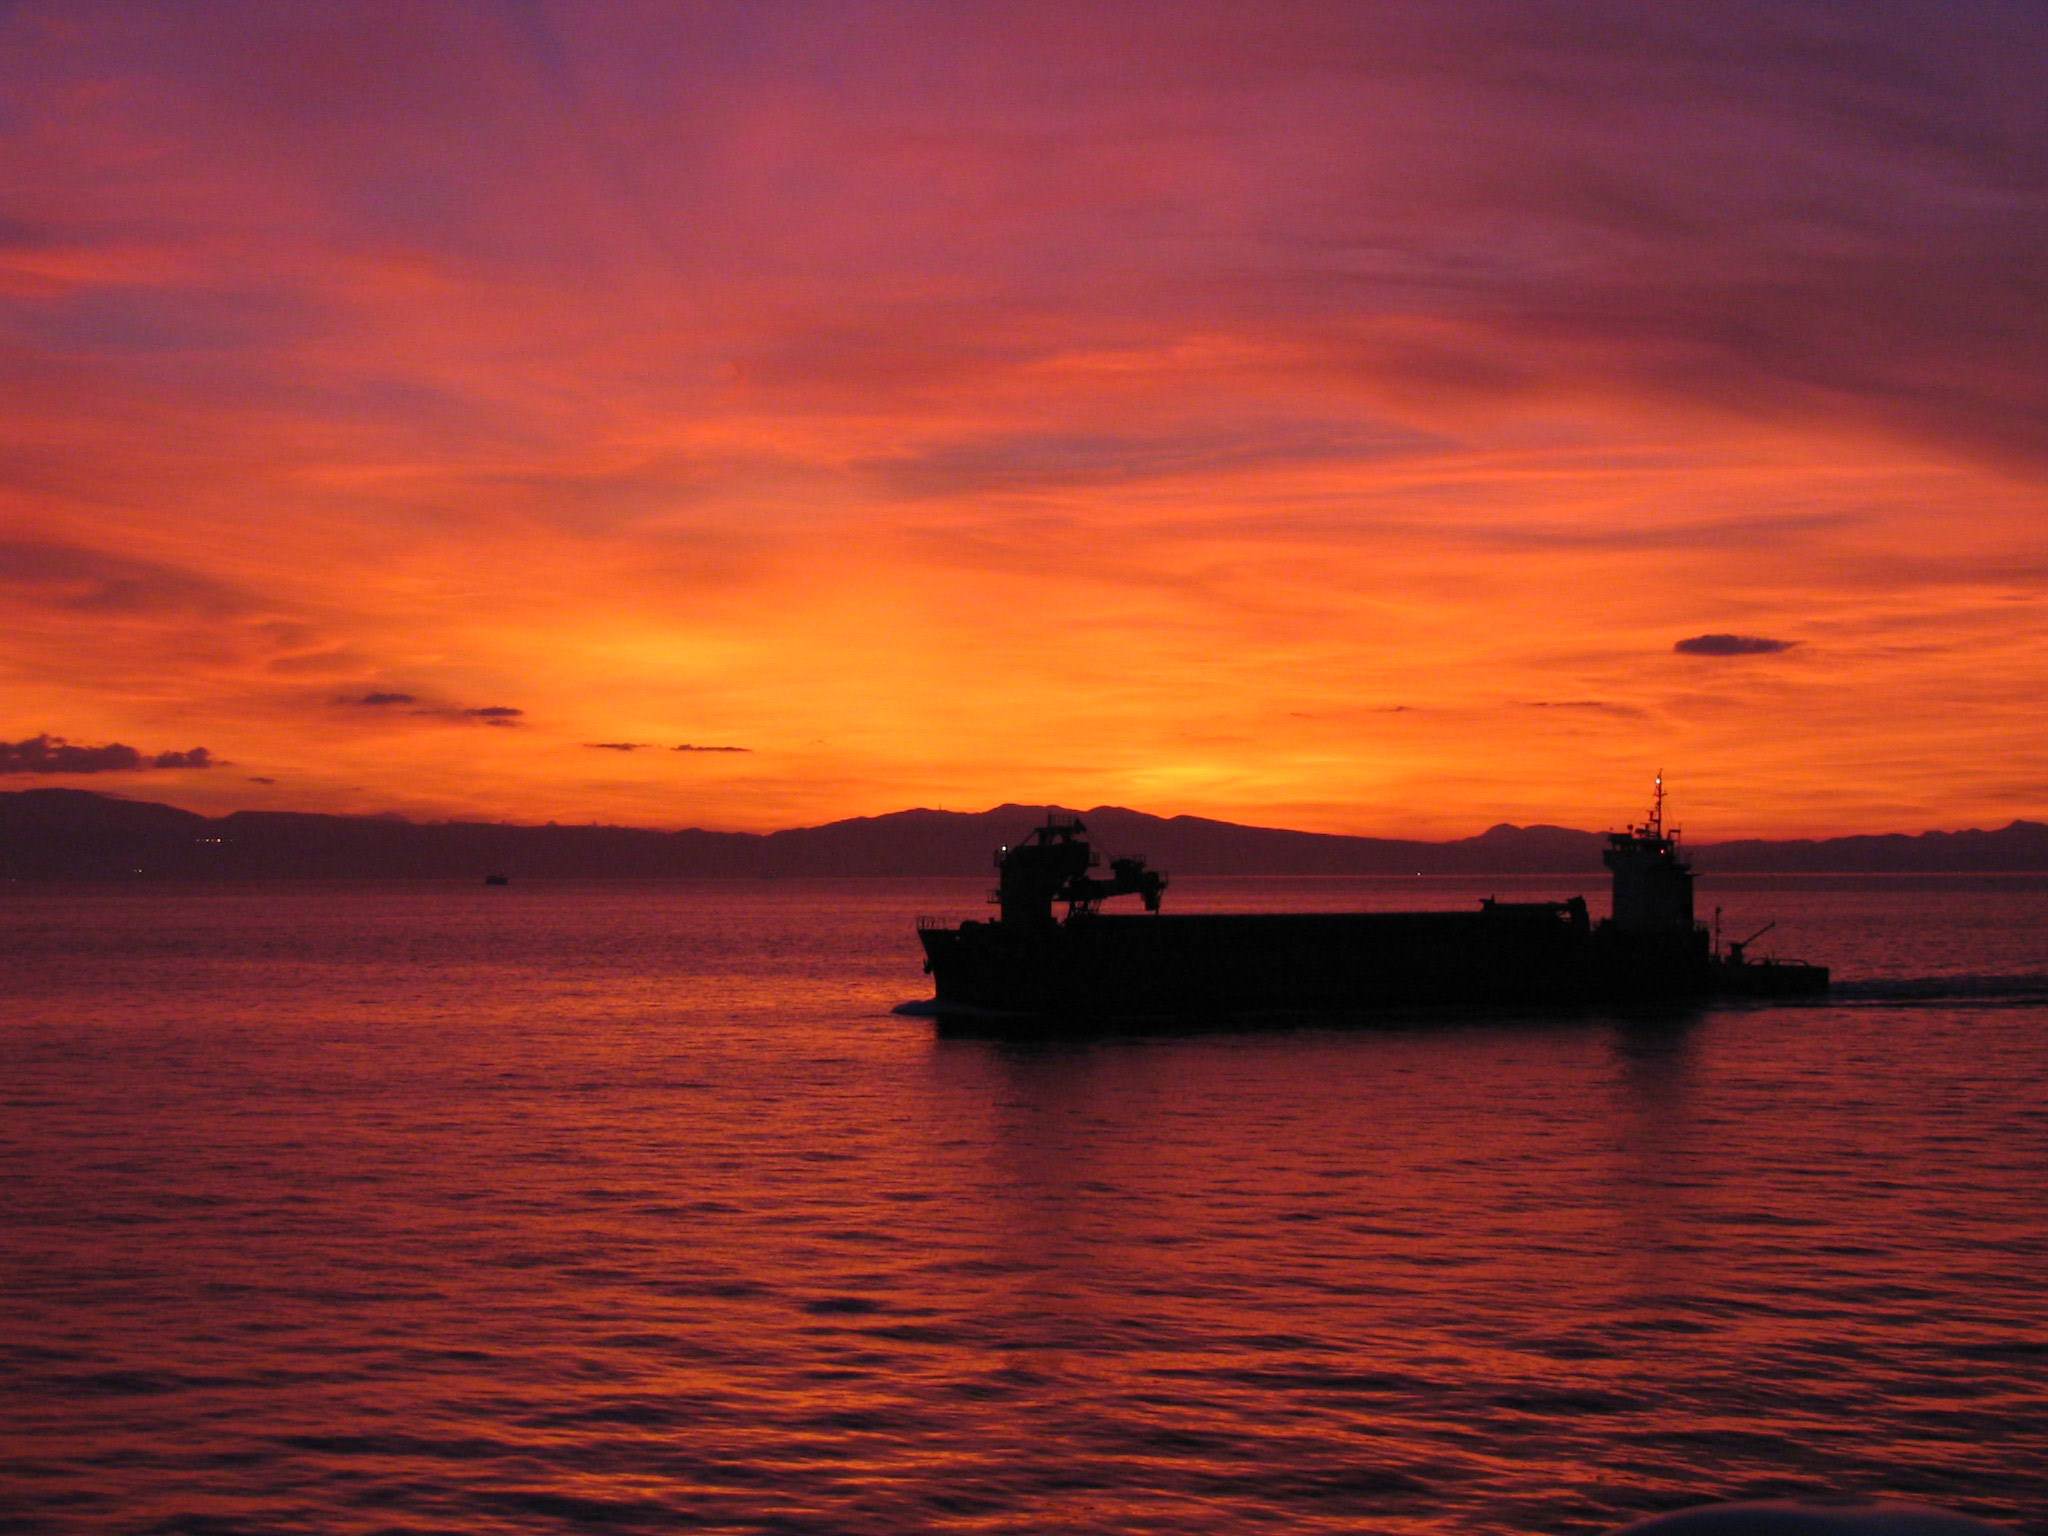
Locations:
(397, 1208)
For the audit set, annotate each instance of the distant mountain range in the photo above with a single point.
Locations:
(77, 834)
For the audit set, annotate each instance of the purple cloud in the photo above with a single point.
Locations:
(197, 757)
(54, 754)
(1732, 645)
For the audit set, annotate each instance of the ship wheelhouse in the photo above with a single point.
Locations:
(1652, 883)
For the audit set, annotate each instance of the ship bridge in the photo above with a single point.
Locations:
(1652, 883)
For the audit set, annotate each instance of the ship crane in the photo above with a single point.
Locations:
(1127, 877)
(1737, 946)
(1053, 864)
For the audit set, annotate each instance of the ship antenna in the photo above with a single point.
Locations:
(1657, 808)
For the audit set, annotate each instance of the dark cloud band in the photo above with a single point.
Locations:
(54, 754)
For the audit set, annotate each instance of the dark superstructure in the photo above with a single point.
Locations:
(1034, 963)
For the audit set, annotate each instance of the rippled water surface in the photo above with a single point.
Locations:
(384, 1209)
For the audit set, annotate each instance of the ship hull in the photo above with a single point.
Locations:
(1247, 966)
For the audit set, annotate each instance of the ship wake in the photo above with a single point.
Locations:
(2021, 990)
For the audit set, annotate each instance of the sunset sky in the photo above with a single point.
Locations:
(1369, 418)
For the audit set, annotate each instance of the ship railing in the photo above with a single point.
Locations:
(934, 924)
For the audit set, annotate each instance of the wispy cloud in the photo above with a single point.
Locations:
(419, 706)
(1039, 461)
(91, 582)
(1586, 706)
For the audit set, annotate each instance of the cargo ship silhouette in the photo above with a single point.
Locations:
(1030, 964)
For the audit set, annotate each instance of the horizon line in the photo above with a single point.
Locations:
(1021, 805)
